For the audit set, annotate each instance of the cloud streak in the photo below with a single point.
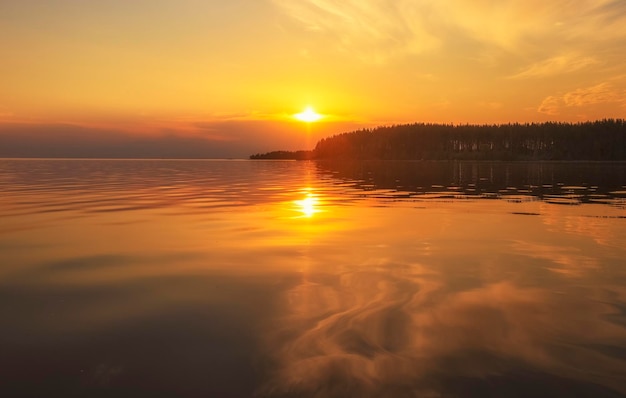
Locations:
(379, 30)
(603, 93)
(556, 65)
(376, 30)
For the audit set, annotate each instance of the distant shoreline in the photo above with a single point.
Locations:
(298, 160)
(603, 140)
(121, 159)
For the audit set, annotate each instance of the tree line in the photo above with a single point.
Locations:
(599, 140)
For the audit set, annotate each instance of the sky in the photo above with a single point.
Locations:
(205, 78)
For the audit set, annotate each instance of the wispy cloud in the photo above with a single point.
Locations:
(603, 93)
(556, 65)
(375, 30)
(514, 23)
(550, 105)
(380, 29)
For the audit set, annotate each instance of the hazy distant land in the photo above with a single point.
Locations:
(599, 140)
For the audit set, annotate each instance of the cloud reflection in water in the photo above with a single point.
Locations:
(398, 330)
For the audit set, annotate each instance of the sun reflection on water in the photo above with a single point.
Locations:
(308, 206)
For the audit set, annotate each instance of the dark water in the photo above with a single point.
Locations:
(297, 279)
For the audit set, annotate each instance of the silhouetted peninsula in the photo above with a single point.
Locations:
(284, 155)
(599, 140)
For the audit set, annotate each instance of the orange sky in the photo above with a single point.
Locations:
(230, 74)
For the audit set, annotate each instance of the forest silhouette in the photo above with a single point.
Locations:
(598, 140)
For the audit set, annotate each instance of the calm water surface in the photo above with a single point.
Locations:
(125, 278)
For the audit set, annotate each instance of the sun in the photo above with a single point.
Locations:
(308, 115)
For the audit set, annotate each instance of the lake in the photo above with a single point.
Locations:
(183, 278)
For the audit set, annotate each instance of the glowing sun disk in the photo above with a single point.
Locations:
(308, 115)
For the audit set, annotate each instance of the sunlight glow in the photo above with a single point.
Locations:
(308, 205)
(308, 115)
